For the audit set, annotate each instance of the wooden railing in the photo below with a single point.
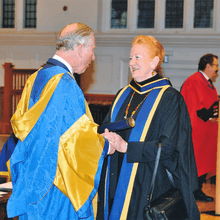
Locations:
(1, 102)
(99, 105)
(15, 80)
(99, 99)
(14, 83)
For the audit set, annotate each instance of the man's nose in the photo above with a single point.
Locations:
(93, 56)
(131, 62)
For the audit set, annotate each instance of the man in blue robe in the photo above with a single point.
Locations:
(57, 162)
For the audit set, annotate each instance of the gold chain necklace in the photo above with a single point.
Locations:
(128, 106)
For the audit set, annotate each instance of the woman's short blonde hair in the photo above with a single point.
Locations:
(154, 46)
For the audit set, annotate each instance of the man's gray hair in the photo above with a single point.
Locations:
(82, 35)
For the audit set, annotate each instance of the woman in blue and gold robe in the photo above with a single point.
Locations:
(160, 116)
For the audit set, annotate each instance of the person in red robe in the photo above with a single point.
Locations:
(201, 99)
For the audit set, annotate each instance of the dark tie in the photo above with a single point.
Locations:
(210, 82)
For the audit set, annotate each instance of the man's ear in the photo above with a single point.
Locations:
(154, 62)
(208, 68)
(208, 65)
(80, 50)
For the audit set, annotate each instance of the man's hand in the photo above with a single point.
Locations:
(213, 119)
(116, 142)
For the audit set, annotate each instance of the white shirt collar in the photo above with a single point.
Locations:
(204, 75)
(56, 57)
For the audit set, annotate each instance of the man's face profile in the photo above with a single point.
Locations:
(88, 54)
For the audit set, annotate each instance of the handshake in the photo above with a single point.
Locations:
(206, 114)
(116, 142)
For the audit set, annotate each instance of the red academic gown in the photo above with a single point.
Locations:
(198, 93)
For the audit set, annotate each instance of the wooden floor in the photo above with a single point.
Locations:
(208, 207)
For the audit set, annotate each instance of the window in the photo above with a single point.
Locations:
(146, 11)
(203, 14)
(30, 14)
(119, 14)
(8, 13)
(160, 16)
(25, 16)
(174, 14)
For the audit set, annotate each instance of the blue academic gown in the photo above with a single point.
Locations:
(34, 162)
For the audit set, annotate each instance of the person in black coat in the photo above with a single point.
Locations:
(161, 117)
